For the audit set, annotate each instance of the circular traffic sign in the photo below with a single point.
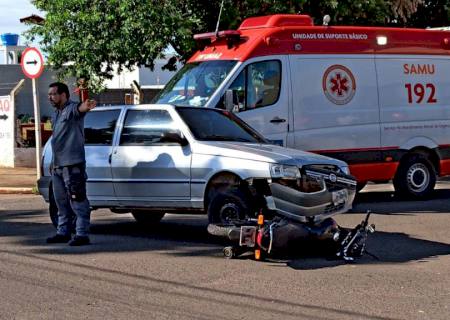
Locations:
(32, 63)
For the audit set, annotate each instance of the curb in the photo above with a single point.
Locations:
(12, 190)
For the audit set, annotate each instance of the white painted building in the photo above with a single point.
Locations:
(143, 76)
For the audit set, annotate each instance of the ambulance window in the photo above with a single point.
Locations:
(258, 85)
(195, 83)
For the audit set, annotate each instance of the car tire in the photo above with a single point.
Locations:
(147, 217)
(415, 178)
(229, 208)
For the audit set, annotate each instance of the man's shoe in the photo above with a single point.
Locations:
(58, 238)
(79, 241)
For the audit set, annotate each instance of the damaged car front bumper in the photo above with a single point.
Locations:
(314, 195)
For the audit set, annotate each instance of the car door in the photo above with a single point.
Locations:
(99, 128)
(146, 170)
(261, 98)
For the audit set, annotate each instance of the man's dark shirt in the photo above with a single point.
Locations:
(68, 135)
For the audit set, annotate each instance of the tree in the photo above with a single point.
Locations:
(431, 13)
(87, 38)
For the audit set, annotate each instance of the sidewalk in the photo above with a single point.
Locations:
(17, 180)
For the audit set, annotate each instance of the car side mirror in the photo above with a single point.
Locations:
(228, 100)
(174, 137)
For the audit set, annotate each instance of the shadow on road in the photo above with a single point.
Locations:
(386, 247)
(383, 203)
(187, 236)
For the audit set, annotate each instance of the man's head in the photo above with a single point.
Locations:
(58, 94)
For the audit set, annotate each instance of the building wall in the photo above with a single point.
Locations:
(10, 74)
(117, 96)
(158, 76)
(24, 105)
(144, 76)
(122, 80)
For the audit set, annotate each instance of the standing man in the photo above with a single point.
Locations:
(69, 165)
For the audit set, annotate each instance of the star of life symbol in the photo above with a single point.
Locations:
(339, 84)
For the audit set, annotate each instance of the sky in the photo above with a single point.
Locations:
(10, 13)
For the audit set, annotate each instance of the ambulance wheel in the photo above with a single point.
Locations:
(416, 177)
(228, 208)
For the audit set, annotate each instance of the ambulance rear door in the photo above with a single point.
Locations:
(414, 101)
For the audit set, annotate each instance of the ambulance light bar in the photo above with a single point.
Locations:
(205, 39)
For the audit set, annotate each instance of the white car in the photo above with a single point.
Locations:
(154, 159)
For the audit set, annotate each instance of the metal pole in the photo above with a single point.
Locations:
(37, 128)
(218, 19)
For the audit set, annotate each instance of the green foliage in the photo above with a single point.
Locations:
(431, 13)
(87, 38)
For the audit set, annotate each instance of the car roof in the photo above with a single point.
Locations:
(148, 106)
(133, 106)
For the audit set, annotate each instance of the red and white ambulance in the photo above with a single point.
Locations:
(377, 98)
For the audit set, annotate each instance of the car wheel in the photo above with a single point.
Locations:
(229, 208)
(147, 217)
(416, 177)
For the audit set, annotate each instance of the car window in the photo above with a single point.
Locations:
(216, 125)
(99, 127)
(257, 86)
(145, 127)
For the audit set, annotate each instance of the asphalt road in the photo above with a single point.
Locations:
(176, 270)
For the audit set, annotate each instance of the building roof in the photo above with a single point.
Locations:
(33, 19)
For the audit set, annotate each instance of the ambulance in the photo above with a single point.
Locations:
(377, 98)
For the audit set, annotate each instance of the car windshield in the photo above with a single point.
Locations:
(218, 125)
(194, 84)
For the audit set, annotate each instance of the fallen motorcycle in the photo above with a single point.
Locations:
(272, 237)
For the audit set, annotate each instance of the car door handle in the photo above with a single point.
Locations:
(110, 158)
(277, 120)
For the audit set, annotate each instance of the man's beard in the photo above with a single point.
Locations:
(56, 105)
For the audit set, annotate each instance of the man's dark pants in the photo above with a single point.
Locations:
(69, 189)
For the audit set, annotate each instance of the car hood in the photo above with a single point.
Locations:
(263, 152)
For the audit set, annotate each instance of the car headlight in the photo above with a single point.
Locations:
(345, 169)
(284, 171)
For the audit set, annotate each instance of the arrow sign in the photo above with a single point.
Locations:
(3, 117)
(32, 63)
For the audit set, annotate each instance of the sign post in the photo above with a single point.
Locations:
(32, 66)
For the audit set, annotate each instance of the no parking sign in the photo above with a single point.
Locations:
(32, 63)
